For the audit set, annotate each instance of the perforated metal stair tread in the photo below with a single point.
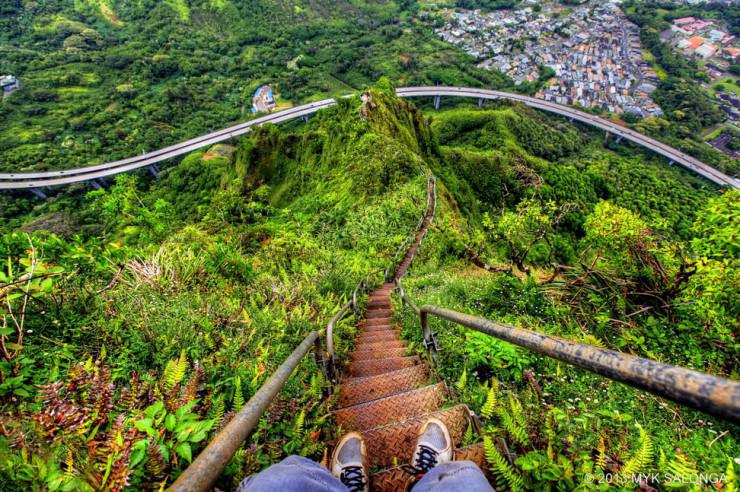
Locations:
(395, 479)
(379, 336)
(394, 443)
(378, 353)
(353, 391)
(390, 409)
(379, 366)
(380, 345)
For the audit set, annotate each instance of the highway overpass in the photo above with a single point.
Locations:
(33, 181)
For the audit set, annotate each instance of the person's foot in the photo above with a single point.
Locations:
(433, 447)
(349, 463)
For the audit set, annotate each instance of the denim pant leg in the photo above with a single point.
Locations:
(463, 476)
(293, 474)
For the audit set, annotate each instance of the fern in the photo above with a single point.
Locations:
(299, 421)
(217, 409)
(731, 477)
(463, 380)
(642, 457)
(601, 459)
(317, 385)
(505, 473)
(69, 465)
(174, 372)
(468, 438)
(678, 466)
(517, 411)
(491, 400)
(238, 401)
(514, 422)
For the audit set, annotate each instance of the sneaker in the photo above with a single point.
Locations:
(433, 447)
(349, 463)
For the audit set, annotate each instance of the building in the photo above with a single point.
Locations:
(263, 100)
(9, 84)
(705, 51)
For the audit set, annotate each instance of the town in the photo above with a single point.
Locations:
(716, 51)
(592, 52)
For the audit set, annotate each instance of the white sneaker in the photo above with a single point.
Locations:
(349, 463)
(433, 447)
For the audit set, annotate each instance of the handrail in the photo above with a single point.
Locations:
(210, 463)
(710, 394)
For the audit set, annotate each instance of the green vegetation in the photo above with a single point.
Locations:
(137, 318)
(591, 247)
(182, 296)
(102, 80)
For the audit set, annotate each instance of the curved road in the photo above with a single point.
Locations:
(15, 181)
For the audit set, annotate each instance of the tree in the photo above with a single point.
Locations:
(522, 229)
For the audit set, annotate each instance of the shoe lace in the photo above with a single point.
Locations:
(353, 477)
(426, 459)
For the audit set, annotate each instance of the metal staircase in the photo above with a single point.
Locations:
(387, 395)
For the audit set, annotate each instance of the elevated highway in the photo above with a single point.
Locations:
(37, 180)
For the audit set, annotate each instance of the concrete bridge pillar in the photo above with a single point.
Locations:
(39, 193)
(305, 118)
(153, 169)
(480, 102)
(94, 184)
(619, 138)
(437, 100)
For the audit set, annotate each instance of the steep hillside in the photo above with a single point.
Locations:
(181, 295)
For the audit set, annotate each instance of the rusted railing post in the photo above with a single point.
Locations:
(208, 466)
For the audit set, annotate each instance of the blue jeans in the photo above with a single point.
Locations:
(299, 474)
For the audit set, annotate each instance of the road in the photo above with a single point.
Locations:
(18, 181)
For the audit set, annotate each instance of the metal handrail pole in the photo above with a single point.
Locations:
(210, 463)
(710, 394)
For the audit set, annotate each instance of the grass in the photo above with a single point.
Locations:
(730, 83)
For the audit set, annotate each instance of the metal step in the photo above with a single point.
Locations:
(373, 313)
(379, 345)
(384, 326)
(390, 409)
(395, 479)
(383, 353)
(393, 444)
(380, 320)
(379, 336)
(379, 366)
(353, 391)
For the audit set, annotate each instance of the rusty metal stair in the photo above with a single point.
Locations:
(386, 395)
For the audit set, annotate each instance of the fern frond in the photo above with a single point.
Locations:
(238, 401)
(463, 380)
(218, 407)
(513, 421)
(69, 464)
(731, 484)
(468, 438)
(174, 372)
(679, 465)
(517, 411)
(601, 459)
(491, 400)
(505, 473)
(317, 385)
(299, 421)
(642, 457)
